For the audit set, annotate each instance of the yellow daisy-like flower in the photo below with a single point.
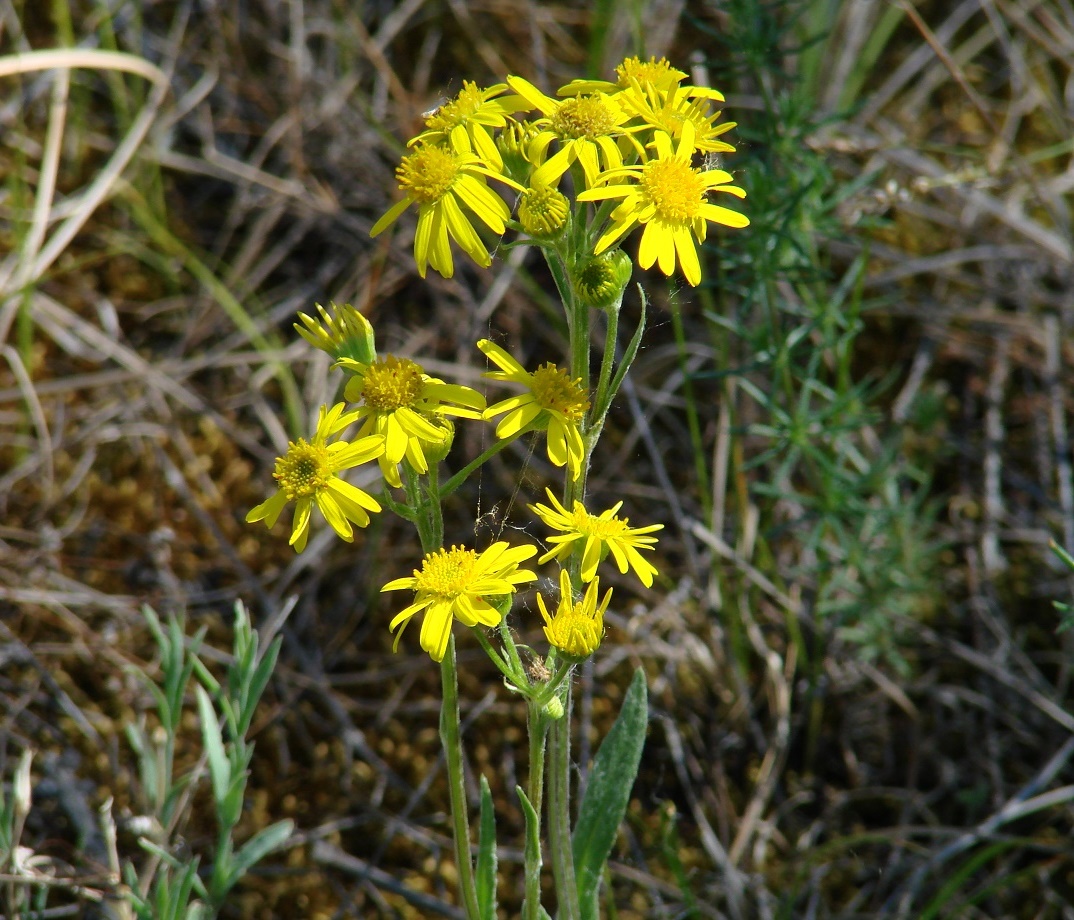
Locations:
(553, 402)
(578, 626)
(601, 534)
(470, 114)
(633, 70)
(456, 582)
(405, 407)
(438, 179)
(667, 195)
(670, 110)
(308, 475)
(587, 128)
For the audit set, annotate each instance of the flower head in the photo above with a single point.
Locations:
(553, 402)
(343, 333)
(471, 113)
(586, 126)
(438, 179)
(543, 211)
(667, 195)
(405, 407)
(308, 475)
(600, 534)
(669, 110)
(456, 582)
(577, 626)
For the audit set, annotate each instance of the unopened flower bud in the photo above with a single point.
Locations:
(437, 451)
(554, 708)
(543, 211)
(343, 333)
(600, 280)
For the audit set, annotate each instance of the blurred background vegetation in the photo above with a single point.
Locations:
(856, 431)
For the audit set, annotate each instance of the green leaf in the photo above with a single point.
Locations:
(533, 839)
(260, 845)
(485, 873)
(610, 782)
(219, 767)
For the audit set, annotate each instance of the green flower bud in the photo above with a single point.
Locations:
(554, 708)
(543, 211)
(513, 143)
(600, 280)
(437, 451)
(343, 333)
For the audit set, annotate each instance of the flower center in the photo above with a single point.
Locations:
(583, 116)
(675, 188)
(553, 389)
(446, 573)
(593, 525)
(304, 471)
(392, 383)
(428, 174)
(659, 73)
(456, 112)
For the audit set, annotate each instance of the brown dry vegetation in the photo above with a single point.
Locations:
(150, 376)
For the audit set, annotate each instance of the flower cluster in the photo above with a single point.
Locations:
(402, 420)
(643, 142)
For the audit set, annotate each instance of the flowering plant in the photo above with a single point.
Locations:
(584, 169)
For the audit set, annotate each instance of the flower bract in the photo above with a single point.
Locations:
(553, 402)
(599, 534)
(577, 626)
(403, 405)
(456, 583)
(308, 475)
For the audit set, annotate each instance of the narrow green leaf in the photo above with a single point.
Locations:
(533, 842)
(608, 793)
(485, 872)
(260, 845)
(219, 768)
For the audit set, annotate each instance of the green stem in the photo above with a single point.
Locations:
(451, 739)
(462, 475)
(559, 818)
(537, 726)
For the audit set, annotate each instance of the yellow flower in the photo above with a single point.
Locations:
(472, 112)
(633, 70)
(405, 407)
(670, 110)
(456, 582)
(554, 402)
(667, 196)
(601, 534)
(343, 333)
(308, 475)
(587, 128)
(438, 179)
(578, 626)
